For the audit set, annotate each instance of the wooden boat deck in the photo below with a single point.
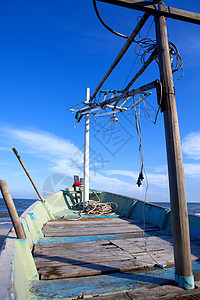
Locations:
(99, 250)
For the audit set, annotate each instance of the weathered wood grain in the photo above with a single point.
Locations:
(70, 260)
(168, 12)
(104, 226)
(102, 267)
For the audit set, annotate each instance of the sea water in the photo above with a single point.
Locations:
(193, 207)
(23, 204)
(20, 204)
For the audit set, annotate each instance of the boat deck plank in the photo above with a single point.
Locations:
(96, 257)
(105, 226)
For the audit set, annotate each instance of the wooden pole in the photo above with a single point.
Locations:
(141, 71)
(122, 52)
(86, 155)
(12, 210)
(180, 225)
(27, 173)
(162, 10)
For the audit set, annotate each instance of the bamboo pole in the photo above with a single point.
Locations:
(27, 173)
(180, 224)
(12, 210)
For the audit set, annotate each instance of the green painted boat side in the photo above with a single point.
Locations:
(18, 270)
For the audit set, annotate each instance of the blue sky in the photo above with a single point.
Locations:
(50, 52)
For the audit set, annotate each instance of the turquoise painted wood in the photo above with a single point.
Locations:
(105, 284)
(22, 281)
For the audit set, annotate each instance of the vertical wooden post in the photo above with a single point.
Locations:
(180, 225)
(86, 155)
(27, 173)
(12, 210)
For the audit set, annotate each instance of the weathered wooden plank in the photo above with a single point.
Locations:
(74, 260)
(105, 221)
(97, 226)
(56, 260)
(162, 10)
(82, 226)
(90, 227)
(70, 260)
(93, 258)
(60, 272)
(63, 231)
(133, 247)
(78, 258)
(87, 252)
(140, 260)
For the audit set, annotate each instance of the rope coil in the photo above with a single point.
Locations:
(95, 207)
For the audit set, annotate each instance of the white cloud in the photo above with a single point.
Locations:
(160, 180)
(131, 174)
(45, 142)
(63, 154)
(114, 185)
(191, 145)
(161, 169)
(192, 170)
(66, 158)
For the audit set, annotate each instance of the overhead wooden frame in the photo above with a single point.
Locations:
(158, 9)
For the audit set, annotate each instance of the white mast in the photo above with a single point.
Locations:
(86, 155)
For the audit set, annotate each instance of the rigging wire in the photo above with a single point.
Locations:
(99, 126)
(105, 25)
(159, 105)
(137, 56)
(148, 46)
(138, 129)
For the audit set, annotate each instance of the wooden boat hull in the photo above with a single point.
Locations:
(92, 256)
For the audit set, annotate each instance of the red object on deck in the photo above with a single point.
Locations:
(77, 183)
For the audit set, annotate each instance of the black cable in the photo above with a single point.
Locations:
(136, 57)
(105, 25)
(148, 46)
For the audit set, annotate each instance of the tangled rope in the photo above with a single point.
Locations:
(96, 207)
(148, 46)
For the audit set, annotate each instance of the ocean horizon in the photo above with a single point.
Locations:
(22, 204)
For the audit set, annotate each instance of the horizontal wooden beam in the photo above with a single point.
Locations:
(155, 9)
(116, 99)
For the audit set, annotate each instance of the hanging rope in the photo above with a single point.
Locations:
(141, 177)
